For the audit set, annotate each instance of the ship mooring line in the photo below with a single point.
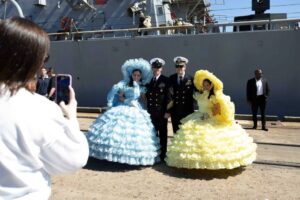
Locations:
(278, 144)
(276, 163)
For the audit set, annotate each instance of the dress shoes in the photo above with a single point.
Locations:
(264, 129)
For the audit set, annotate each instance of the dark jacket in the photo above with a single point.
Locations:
(158, 94)
(182, 95)
(42, 85)
(252, 89)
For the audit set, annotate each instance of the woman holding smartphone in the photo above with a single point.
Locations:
(36, 140)
(125, 133)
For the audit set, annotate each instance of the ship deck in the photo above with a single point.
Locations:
(274, 175)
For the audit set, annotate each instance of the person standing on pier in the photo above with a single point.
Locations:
(52, 84)
(36, 140)
(43, 82)
(157, 100)
(124, 133)
(209, 138)
(181, 92)
(257, 95)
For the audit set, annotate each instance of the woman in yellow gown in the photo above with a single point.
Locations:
(210, 138)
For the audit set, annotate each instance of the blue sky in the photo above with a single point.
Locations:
(225, 10)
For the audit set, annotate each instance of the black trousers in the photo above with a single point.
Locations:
(160, 124)
(259, 102)
(177, 115)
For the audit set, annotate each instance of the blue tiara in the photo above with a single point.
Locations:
(140, 64)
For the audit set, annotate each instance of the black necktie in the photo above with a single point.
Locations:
(154, 80)
(180, 80)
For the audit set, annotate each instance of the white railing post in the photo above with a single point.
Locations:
(18, 8)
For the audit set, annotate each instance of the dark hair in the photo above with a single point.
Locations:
(211, 91)
(257, 70)
(23, 48)
(50, 70)
(130, 84)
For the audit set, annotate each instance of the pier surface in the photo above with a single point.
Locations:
(274, 175)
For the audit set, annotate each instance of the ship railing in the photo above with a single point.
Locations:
(116, 33)
(275, 24)
(265, 25)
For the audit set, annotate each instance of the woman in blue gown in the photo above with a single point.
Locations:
(124, 133)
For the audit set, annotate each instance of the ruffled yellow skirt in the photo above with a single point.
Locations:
(205, 144)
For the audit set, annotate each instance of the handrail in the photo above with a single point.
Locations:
(126, 30)
(185, 29)
(265, 24)
(16, 4)
(258, 22)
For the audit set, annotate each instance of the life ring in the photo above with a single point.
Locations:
(65, 23)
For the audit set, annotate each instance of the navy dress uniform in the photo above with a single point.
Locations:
(181, 92)
(157, 100)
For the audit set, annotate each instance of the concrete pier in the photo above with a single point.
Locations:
(274, 175)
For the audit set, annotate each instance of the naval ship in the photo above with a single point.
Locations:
(91, 39)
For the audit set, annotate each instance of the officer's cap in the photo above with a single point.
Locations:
(180, 61)
(157, 62)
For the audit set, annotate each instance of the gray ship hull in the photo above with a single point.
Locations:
(233, 57)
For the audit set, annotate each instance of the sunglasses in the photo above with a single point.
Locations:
(179, 66)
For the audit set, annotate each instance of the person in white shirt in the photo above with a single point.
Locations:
(36, 140)
(257, 95)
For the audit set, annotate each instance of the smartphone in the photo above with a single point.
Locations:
(62, 91)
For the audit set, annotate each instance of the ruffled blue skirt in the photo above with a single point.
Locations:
(124, 134)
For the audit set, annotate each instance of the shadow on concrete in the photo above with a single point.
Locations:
(103, 165)
(202, 174)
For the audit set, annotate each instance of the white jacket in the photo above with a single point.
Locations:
(36, 141)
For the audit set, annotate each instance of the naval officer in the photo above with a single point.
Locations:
(181, 92)
(157, 101)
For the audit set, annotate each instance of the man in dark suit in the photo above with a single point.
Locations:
(157, 100)
(181, 92)
(257, 95)
(42, 82)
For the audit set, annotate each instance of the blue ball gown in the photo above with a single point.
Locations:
(124, 133)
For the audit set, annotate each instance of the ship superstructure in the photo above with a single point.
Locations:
(86, 15)
(91, 39)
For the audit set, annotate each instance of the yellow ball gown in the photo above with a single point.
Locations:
(207, 140)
